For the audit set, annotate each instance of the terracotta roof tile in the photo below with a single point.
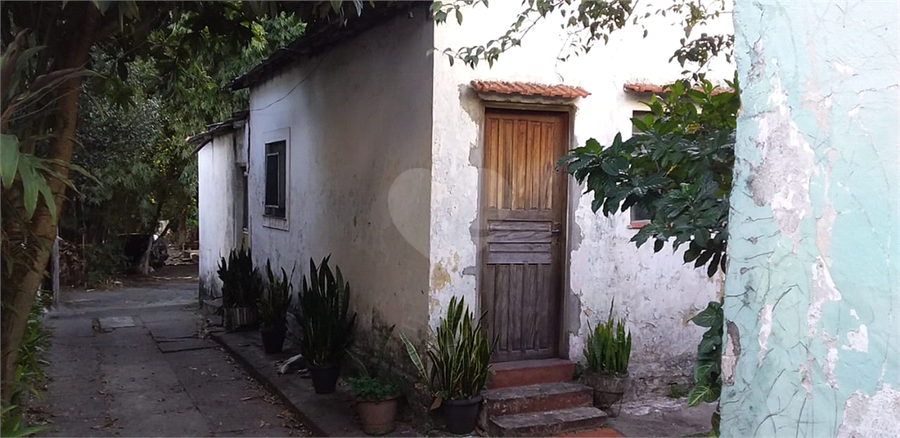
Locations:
(657, 89)
(529, 89)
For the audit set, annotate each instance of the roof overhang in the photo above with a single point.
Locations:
(527, 92)
(634, 87)
(321, 36)
(236, 121)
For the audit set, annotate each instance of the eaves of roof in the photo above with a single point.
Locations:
(660, 89)
(320, 37)
(529, 89)
(205, 137)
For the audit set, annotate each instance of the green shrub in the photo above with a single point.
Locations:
(378, 384)
(324, 325)
(370, 388)
(460, 357)
(28, 372)
(272, 306)
(608, 347)
(104, 261)
(241, 282)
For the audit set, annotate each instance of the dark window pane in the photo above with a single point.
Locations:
(637, 115)
(639, 213)
(272, 168)
(276, 178)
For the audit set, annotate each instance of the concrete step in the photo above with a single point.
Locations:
(531, 372)
(534, 398)
(547, 423)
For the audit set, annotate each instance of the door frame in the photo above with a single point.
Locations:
(565, 292)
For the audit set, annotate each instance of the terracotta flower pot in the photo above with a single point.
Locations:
(377, 417)
(460, 415)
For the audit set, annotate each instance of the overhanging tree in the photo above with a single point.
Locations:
(136, 146)
(588, 22)
(59, 38)
(680, 170)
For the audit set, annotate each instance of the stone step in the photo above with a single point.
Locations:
(533, 398)
(531, 372)
(547, 423)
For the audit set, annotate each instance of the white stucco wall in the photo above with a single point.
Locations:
(656, 293)
(357, 121)
(219, 202)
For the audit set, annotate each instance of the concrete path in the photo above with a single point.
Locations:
(129, 362)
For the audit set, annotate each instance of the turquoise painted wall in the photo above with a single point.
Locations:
(812, 295)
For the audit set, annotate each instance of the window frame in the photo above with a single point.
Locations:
(636, 219)
(275, 207)
(279, 217)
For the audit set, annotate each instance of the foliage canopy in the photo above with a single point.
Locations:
(679, 169)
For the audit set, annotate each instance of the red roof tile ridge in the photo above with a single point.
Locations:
(529, 89)
(640, 87)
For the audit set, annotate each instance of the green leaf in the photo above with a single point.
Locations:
(710, 316)
(715, 421)
(658, 245)
(691, 253)
(30, 188)
(709, 344)
(699, 394)
(45, 191)
(704, 257)
(9, 158)
(714, 265)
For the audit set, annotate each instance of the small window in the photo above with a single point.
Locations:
(245, 201)
(275, 179)
(639, 216)
(638, 115)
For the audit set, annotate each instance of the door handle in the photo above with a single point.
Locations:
(556, 228)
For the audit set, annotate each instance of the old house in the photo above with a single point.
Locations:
(426, 180)
(221, 199)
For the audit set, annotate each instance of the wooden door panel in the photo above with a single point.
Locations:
(523, 204)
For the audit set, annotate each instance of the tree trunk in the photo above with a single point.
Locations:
(144, 263)
(19, 295)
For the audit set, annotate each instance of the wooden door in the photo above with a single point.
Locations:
(523, 229)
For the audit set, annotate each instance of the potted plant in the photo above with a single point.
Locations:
(376, 393)
(324, 325)
(241, 287)
(460, 362)
(607, 351)
(272, 308)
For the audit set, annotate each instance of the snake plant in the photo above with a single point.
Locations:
(272, 305)
(460, 355)
(608, 346)
(241, 281)
(324, 324)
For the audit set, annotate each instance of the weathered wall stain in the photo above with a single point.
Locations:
(813, 287)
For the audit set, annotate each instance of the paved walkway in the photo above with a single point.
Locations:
(129, 362)
(335, 415)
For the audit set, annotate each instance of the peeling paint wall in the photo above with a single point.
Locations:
(357, 119)
(219, 197)
(813, 285)
(657, 293)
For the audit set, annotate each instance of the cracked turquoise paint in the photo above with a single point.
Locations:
(815, 222)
